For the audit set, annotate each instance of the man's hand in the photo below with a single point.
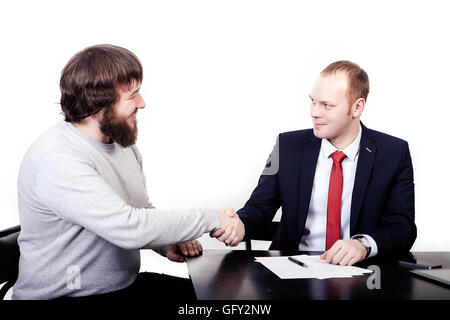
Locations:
(219, 231)
(231, 230)
(345, 252)
(180, 250)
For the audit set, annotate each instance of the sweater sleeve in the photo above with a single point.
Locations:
(70, 187)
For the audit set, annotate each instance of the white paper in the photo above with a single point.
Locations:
(316, 268)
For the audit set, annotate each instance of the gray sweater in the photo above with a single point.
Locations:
(85, 213)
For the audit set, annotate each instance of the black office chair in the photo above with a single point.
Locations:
(267, 235)
(9, 257)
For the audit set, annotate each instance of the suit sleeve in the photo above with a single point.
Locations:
(397, 230)
(264, 201)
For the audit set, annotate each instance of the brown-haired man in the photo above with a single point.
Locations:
(343, 188)
(83, 204)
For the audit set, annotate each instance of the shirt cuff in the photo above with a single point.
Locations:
(373, 244)
(212, 219)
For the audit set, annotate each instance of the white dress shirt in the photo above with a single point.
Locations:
(315, 232)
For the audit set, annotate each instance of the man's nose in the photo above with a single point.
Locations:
(315, 110)
(141, 104)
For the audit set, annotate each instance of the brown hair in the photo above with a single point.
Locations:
(358, 80)
(90, 79)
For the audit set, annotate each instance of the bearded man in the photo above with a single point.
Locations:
(83, 205)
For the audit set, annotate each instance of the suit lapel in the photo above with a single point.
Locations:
(366, 157)
(308, 168)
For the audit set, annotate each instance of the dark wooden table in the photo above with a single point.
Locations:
(234, 275)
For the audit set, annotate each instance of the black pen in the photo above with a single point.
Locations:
(298, 262)
(411, 265)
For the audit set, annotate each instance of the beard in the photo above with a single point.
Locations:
(118, 129)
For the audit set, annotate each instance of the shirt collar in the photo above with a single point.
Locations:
(351, 151)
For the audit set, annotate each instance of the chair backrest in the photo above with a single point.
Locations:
(9, 254)
(269, 232)
(9, 231)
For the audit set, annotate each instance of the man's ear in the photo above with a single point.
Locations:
(358, 107)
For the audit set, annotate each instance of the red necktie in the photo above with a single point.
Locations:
(334, 200)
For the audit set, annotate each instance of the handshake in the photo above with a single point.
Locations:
(231, 230)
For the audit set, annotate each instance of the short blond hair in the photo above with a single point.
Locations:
(358, 80)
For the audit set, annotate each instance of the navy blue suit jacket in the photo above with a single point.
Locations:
(382, 201)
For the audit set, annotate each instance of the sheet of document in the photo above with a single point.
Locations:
(316, 268)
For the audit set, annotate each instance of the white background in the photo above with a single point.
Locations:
(223, 78)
